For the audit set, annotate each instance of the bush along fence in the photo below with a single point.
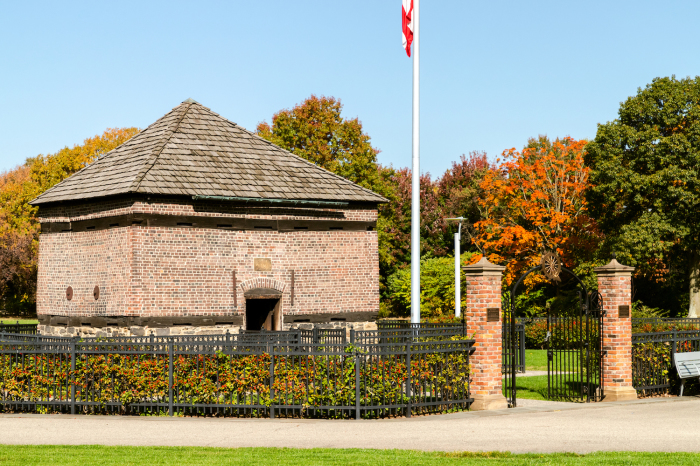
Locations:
(236, 375)
(653, 370)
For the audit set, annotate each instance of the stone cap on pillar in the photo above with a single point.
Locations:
(483, 267)
(614, 268)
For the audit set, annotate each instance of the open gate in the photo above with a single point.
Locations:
(574, 345)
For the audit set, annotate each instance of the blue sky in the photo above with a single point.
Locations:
(492, 73)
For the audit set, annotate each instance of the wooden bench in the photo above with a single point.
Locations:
(687, 366)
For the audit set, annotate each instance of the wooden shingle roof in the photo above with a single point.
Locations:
(192, 151)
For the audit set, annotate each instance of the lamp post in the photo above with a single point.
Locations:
(458, 292)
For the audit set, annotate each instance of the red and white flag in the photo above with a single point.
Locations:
(407, 24)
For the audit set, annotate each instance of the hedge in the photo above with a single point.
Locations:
(134, 383)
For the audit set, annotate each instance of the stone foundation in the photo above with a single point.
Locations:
(139, 331)
(135, 331)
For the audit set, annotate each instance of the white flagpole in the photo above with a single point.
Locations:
(415, 185)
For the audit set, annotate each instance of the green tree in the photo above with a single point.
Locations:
(437, 287)
(316, 131)
(645, 185)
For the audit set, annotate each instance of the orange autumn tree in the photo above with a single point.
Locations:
(535, 203)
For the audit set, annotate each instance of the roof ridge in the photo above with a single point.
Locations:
(295, 155)
(153, 158)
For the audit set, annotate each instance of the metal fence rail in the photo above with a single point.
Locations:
(233, 378)
(653, 370)
(398, 332)
(506, 351)
(25, 329)
(658, 324)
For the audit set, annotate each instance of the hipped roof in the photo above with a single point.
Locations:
(192, 151)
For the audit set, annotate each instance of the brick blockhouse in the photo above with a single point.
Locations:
(197, 225)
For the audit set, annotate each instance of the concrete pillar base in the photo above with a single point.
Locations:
(488, 402)
(620, 394)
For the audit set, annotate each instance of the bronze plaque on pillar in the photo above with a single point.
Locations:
(623, 312)
(493, 314)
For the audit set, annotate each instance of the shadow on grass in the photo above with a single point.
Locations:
(535, 388)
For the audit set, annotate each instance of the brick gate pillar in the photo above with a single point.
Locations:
(483, 319)
(615, 287)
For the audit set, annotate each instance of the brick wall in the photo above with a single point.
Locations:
(160, 271)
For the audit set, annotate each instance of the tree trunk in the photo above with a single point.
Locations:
(694, 308)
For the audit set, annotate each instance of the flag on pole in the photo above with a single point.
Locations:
(407, 24)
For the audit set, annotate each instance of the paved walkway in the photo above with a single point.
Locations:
(660, 424)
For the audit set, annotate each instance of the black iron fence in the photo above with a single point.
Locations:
(234, 375)
(653, 370)
(664, 324)
(25, 329)
(508, 356)
(401, 332)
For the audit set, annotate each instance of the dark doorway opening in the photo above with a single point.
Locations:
(262, 314)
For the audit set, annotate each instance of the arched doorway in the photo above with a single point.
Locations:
(263, 309)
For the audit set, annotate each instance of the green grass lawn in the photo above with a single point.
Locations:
(536, 360)
(531, 388)
(21, 321)
(89, 455)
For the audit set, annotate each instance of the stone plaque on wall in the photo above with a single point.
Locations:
(262, 264)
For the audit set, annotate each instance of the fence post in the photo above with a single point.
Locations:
(409, 383)
(171, 380)
(314, 332)
(484, 318)
(357, 383)
(72, 375)
(352, 334)
(615, 288)
(272, 385)
(673, 354)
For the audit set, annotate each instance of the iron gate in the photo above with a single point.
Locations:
(574, 352)
(573, 339)
(509, 350)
